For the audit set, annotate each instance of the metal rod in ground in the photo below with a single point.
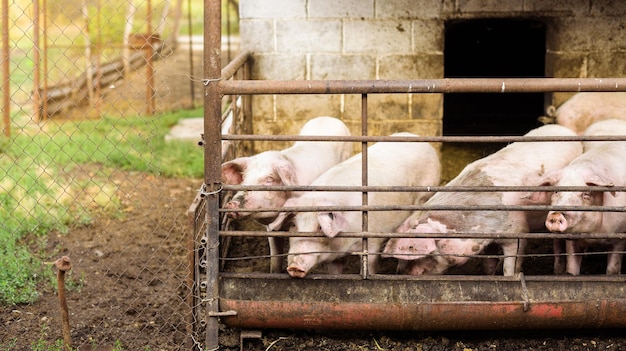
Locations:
(63, 265)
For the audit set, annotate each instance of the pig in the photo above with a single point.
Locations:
(299, 164)
(389, 164)
(518, 164)
(603, 163)
(607, 127)
(585, 108)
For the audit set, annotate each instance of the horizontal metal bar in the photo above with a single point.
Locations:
(394, 188)
(481, 139)
(444, 85)
(423, 303)
(432, 208)
(444, 279)
(488, 235)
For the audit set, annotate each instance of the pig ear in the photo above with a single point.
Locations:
(541, 196)
(287, 173)
(408, 223)
(410, 248)
(280, 221)
(332, 223)
(283, 218)
(232, 171)
(597, 180)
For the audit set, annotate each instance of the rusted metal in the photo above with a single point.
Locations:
(36, 61)
(444, 85)
(237, 63)
(63, 265)
(441, 303)
(212, 157)
(6, 72)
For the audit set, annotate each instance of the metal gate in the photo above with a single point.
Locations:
(258, 299)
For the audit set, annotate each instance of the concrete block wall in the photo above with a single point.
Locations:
(404, 39)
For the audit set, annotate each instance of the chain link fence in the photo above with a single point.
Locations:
(91, 90)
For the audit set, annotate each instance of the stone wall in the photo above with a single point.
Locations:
(404, 39)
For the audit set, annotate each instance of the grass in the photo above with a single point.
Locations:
(38, 195)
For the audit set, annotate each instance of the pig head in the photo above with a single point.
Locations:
(270, 168)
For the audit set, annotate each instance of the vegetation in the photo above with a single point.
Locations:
(39, 193)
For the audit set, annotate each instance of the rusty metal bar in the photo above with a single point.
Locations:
(36, 61)
(450, 188)
(444, 85)
(491, 235)
(481, 139)
(212, 162)
(6, 71)
(149, 52)
(364, 182)
(233, 66)
(441, 303)
(437, 208)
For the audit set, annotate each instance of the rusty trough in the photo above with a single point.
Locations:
(255, 299)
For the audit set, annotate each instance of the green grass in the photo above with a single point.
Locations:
(38, 195)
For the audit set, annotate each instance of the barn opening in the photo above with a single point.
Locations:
(493, 48)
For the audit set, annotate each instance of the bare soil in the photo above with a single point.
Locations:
(128, 284)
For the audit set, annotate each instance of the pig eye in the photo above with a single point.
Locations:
(269, 181)
(586, 195)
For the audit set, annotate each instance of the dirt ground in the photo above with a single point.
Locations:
(128, 283)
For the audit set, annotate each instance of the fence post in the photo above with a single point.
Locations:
(6, 60)
(212, 160)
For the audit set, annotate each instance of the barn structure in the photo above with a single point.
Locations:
(406, 39)
(445, 70)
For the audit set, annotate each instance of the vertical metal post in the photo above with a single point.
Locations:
(364, 180)
(212, 159)
(36, 61)
(44, 90)
(149, 63)
(6, 60)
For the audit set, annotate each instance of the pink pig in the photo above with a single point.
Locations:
(389, 164)
(299, 164)
(586, 108)
(603, 163)
(518, 164)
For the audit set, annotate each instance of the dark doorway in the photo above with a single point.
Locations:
(493, 48)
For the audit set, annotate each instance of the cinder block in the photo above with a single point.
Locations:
(338, 66)
(607, 64)
(279, 67)
(479, 6)
(272, 9)
(571, 34)
(408, 9)
(308, 36)
(378, 36)
(608, 8)
(578, 7)
(428, 36)
(361, 9)
(257, 35)
(411, 66)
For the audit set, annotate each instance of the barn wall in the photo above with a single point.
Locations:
(404, 39)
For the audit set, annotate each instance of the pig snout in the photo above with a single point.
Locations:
(300, 265)
(556, 222)
(296, 272)
(233, 205)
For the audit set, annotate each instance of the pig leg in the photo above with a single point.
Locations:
(614, 259)
(512, 262)
(277, 245)
(558, 247)
(573, 260)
